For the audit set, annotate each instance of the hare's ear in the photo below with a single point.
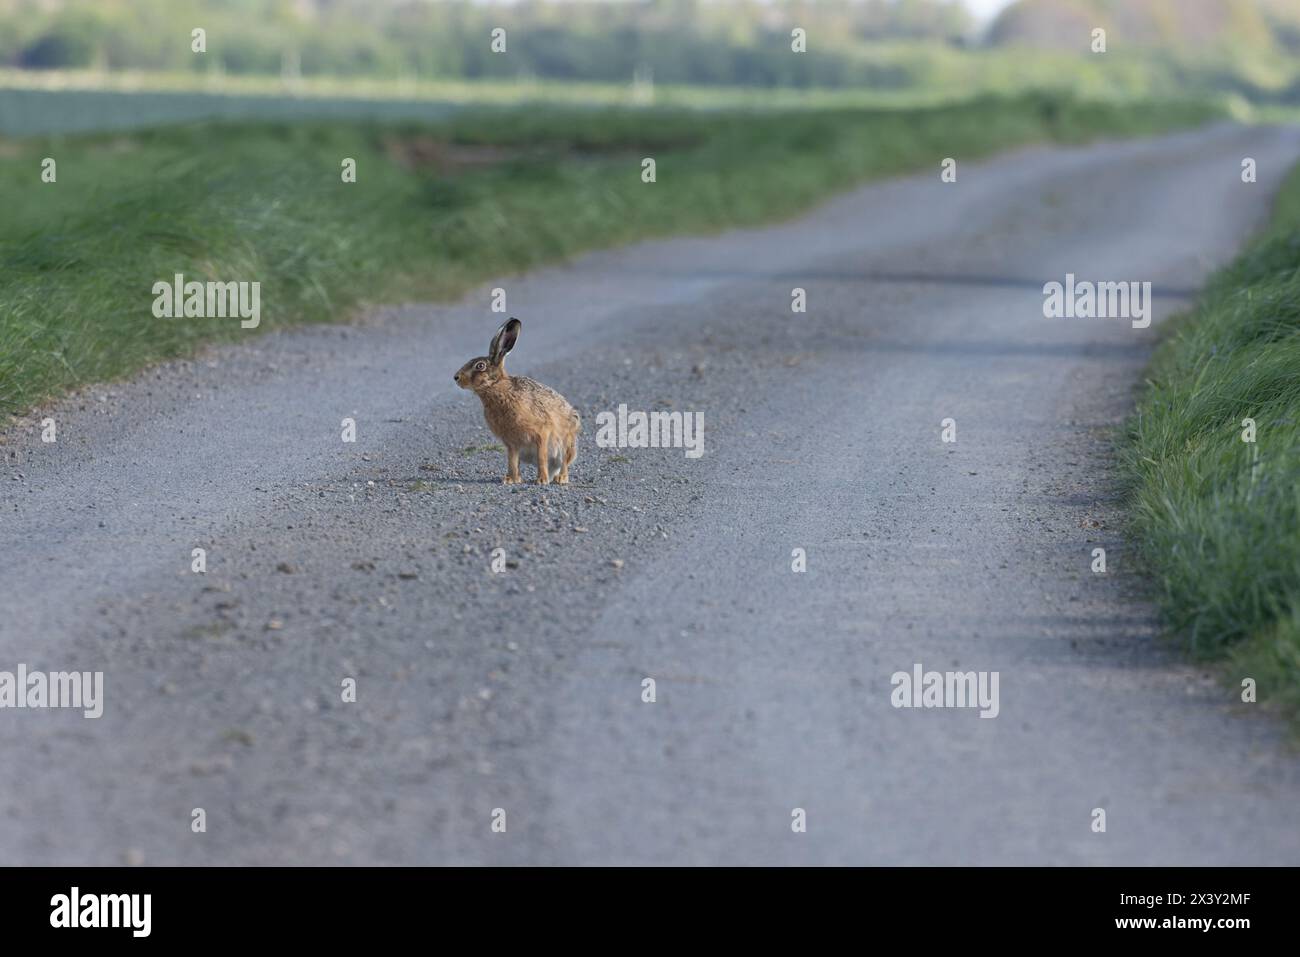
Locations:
(504, 340)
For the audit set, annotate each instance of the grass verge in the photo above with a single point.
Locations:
(435, 208)
(1217, 518)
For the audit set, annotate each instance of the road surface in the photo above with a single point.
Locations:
(521, 690)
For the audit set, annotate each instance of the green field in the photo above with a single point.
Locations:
(436, 207)
(910, 75)
(1217, 518)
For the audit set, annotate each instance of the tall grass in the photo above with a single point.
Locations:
(435, 207)
(1217, 517)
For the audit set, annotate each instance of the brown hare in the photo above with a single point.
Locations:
(524, 414)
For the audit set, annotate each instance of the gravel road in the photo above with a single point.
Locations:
(521, 690)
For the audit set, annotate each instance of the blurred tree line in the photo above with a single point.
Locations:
(1241, 46)
(741, 42)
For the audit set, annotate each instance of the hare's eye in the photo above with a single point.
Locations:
(480, 366)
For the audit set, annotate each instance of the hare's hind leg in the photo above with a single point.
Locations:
(570, 453)
(543, 457)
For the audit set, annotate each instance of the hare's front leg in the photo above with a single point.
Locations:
(512, 466)
(543, 457)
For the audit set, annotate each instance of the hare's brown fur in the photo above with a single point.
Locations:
(533, 421)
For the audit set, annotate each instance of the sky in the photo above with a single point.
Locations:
(985, 9)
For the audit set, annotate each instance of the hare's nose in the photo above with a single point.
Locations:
(456, 377)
